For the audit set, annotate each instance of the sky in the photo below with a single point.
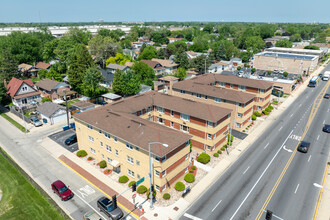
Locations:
(301, 11)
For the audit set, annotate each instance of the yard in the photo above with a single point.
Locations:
(20, 199)
(70, 102)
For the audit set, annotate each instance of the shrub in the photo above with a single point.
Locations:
(141, 189)
(90, 158)
(271, 107)
(219, 151)
(265, 112)
(123, 179)
(204, 158)
(254, 117)
(189, 178)
(103, 164)
(81, 153)
(216, 155)
(179, 186)
(258, 114)
(275, 101)
(131, 183)
(191, 171)
(166, 196)
(231, 137)
(193, 167)
(223, 148)
(153, 194)
(45, 100)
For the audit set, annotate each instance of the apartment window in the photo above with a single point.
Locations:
(198, 95)
(149, 118)
(116, 153)
(108, 148)
(182, 92)
(160, 120)
(164, 173)
(157, 173)
(157, 188)
(130, 159)
(109, 160)
(218, 100)
(138, 163)
(89, 126)
(259, 107)
(163, 158)
(129, 146)
(222, 84)
(172, 113)
(208, 148)
(186, 170)
(100, 131)
(184, 128)
(209, 136)
(239, 115)
(260, 100)
(140, 112)
(160, 109)
(210, 124)
(185, 117)
(172, 124)
(231, 86)
(137, 148)
(130, 173)
(191, 93)
(101, 144)
(93, 151)
(115, 139)
(262, 90)
(187, 156)
(205, 97)
(187, 143)
(240, 104)
(138, 176)
(164, 187)
(156, 158)
(90, 138)
(240, 87)
(149, 109)
(102, 157)
(107, 135)
(238, 125)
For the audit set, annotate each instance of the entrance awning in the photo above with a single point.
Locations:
(115, 163)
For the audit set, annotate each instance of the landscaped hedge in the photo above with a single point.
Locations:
(179, 186)
(258, 114)
(254, 117)
(223, 148)
(204, 158)
(103, 164)
(265, 112)
(271, 107)
(81, 153)
(141, 189)
(189, 178)
(166, 196)
(131, 183)
(216, 155)
(193, 167)
(219, 152)
(153, 195)
(123, 179)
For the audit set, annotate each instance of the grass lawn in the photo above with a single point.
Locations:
(70, 102)
(19, 126)
(20, 199)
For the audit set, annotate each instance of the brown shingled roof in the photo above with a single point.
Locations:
(42, 65)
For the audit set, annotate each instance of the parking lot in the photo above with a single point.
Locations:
(60, 138)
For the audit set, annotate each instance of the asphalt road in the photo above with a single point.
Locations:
(260, 175)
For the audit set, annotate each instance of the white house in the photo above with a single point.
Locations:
(52, 112)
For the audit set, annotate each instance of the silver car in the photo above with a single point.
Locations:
(35, 121)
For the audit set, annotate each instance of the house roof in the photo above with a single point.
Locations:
(14, 85)
(169, 78)
(48, 84)
(111, 96)
(24, 67)
(213, 91)
(191, 53)
(25, 95)
(107, 76)
(49, 108)
(83, 104)
(133, 129)
(129, 64)
(116, 66)
(165, 63)
(42, 65)
(150, 63)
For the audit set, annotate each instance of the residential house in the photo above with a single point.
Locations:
(109, 73)
(236, 61)
(111, 97)
(83, 106)
(27, 70)
(158, 68)
(172, 40)
(55, 90)
(169, 65)
(52, 112)
(144, 88)
(191, 54)
(112, 67)
(131, 53)
(22, 92)
(42, 65)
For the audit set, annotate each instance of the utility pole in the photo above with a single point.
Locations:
(67, 110)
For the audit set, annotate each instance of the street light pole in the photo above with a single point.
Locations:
(151, 192)
(66, 105)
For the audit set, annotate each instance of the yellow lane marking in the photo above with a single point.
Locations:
(316, 105)
(97, 188)
(321, 191)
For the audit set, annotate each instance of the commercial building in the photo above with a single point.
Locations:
(318, 53)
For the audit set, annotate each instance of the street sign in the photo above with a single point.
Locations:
(133, 196)
(140, 181)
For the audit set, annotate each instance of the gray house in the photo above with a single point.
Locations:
(52, 112)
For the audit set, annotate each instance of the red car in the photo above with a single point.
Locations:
(62, 190)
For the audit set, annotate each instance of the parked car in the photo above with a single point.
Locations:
(105, 205)
(92, 216)
(71, 140)
(327, 96)
(303, 146)
(326, 128)
(62, 190)
(102, 102)
(35, 121)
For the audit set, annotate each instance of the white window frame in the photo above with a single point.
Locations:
(217, 100)
(92, 151)
(164, 187)
(157, 173)
(129, 146)
(210, 124)
(209, 136)
(91, 139)
(231, 86)
(107, 135)
(130, 173)
(109, 160)
(160, 109)
(172, 113)
(160, 119)
(186, 170)
(115, 139)
(164, 173)
(116, 153)
(182, 91)
(261, 99)
(157, 188)
(172, 124)
(102, 157)
(108, 148)
(222, 84)
(187, 156)
(239, 114)
(181, 128)
(198, 95)
(208, 148)
(129, 159)
(238, 125)
(90, 127)
(137, 162)
(185, 117)
(242, 88)
(101, 144)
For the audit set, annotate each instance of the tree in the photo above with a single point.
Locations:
(254, 43)
(8, 65)
(200, 63)
(266, 31)
(126, 44)
(245, 56)
(117, 82)
(200, 44)
(80, 61)
(285, 74)
(312, 47)
(42, 73)
(161, 54)
(143, 47)
(148, 53)
(239, 68)
(220, 52)
(131, 83)
(79, 36)
(91, 81)
(103, 32)
(48, 52)
(208, 28)
(118, 59)
(180, 73)
(181, 58)
(284, 43)
(52, 74)
(146, 73)
(253, 70)
(45, 100)
(295, 38)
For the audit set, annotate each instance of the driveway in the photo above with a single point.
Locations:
(60, 138)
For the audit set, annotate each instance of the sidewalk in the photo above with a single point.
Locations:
(322, 211)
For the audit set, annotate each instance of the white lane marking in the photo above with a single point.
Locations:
(266, 146)
(191, 217)
(309, 157)
(275, 216)
(246, 170)
(328, 110)
(323, 121)
(318, 137)
(280, 128)
(260, 177)
(291, 115)
(300, 105)
(88, 204)
(288, 150)
(296, 189)
(216, 205)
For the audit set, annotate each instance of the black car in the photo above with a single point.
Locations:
(105, 205)
(71, 140)
(326, 128)
(326, 95)
(303, 146)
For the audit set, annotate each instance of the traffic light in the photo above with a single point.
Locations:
(114, 201)
(134, 187)
(269, 215)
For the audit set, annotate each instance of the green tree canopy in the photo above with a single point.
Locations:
(312, 47)
(181, 58)
(148, 53)
(91, 80)
(200, 63)
(181, 73)
(79, 36)
(284, 43)
(118, 59)
(146, 73)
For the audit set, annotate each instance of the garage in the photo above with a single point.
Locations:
(52, 112)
